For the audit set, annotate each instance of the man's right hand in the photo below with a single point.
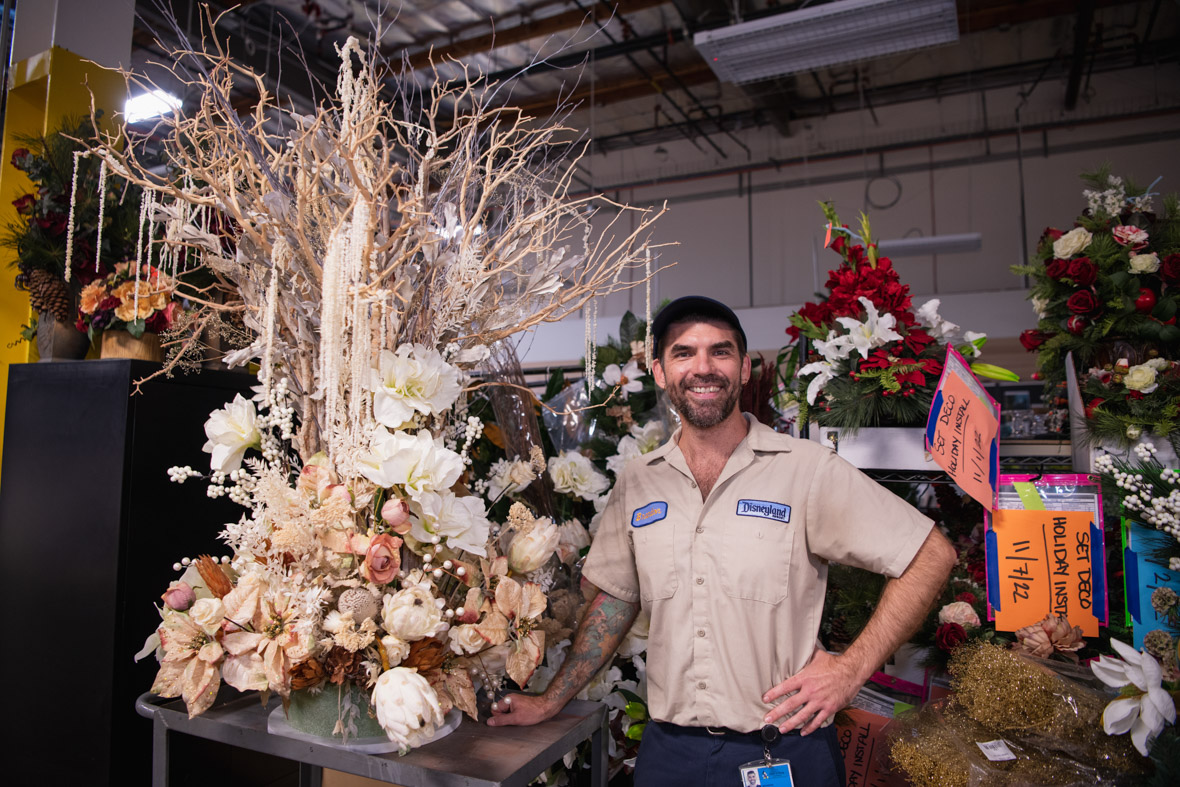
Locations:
(522, 710)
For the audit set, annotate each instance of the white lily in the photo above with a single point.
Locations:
(823, 372)
(835, 348)
(1145, 714)
(936, 326)
(875, 331)
(626, 377)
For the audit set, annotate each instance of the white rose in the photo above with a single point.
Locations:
(466, 639)
(417, 462)
(573, 538)
(413, 379)
(959, 612)
(1071, 243)
(411, 614)
(463, 521)
(1141, 378)
(573, 474)
(529, 551)
(395, 649)
(231, 431)
(510, 477)
(1145, 263)
(208, 614)
(407, 707)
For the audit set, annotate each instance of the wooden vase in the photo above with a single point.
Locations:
(121, 344)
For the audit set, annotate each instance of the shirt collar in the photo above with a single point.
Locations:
(759, 438)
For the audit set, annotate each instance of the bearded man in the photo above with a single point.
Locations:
(723, 535)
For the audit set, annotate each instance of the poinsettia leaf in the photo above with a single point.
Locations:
(493, 628)
(462, 692)
(523, 659)
(508, 596)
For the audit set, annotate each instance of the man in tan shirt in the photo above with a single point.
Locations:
(724, 535)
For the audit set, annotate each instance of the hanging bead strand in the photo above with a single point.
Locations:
(70, 227)
(102, 187)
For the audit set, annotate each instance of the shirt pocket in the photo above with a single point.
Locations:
(655, 560)
(756, 560)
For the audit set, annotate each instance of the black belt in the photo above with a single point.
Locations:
(727, 732)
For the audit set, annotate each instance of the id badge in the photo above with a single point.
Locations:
(767, 773)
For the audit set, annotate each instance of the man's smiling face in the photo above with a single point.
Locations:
(703, 369)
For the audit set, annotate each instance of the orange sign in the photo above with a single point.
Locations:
(862, 746)
(1045, 562)
(961, 431)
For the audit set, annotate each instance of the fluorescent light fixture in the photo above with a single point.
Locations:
(843, 31)
(933, 244)
(149, 105)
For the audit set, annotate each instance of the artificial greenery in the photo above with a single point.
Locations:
(1108, 292)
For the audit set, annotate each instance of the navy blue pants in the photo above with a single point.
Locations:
(673, 756)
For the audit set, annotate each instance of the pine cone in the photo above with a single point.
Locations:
(425, 654)
(307, 674)
(214, 575)
(1053, 634)
(342, 665)
(49, 293)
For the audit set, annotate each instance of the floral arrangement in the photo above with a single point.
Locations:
(1147, 492)
(132, 298)
(1107, 291)
(381, 259)
(871, 359)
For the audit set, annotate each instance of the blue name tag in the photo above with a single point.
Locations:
(652, 512)
(764, 509)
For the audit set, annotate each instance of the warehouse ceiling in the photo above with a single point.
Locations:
(631, 73)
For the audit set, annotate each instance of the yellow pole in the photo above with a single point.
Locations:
(45, 89)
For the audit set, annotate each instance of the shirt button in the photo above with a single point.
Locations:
(700, 530)
(694, 484)
(701, 685)
(700, 580)
(700, 632)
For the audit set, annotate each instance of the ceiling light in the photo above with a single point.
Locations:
(933, 244)
(843, 31)
(149, 105)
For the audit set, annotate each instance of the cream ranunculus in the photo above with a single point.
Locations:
(231, 431)
(529, 551)
(463, 521)
(958, 612)
(413, 379)
(411, 614)
(407, 707)
(1071, 243)
(208, 614)
(573, 474)
(395, 649)
(466, 639)
(1145, 263)
(416, 462)
(1141, 378)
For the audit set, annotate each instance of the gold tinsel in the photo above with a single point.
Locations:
(1052, 725)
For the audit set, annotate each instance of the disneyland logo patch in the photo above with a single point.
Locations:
(764, 509)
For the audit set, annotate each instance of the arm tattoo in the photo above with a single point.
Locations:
(606, 623)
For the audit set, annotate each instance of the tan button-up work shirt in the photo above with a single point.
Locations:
(735, 584)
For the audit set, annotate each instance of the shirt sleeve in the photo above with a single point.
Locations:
(610, 564)
(853, 520)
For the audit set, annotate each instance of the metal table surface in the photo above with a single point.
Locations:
(474, 755)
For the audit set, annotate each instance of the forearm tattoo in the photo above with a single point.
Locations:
(606, 623)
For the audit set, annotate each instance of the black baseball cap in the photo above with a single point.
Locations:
(689, 307)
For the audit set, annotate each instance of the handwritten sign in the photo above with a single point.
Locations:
(1143, 577)
(962, 431)
(861, 743)
(1046, 562)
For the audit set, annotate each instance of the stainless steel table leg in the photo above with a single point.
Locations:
(310, 775)
(160, 743)
(599, 767)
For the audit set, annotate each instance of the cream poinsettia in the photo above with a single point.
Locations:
(190, 665)
(262, 652)
(1148, 708)
(511, 617)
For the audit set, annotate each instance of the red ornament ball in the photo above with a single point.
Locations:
(1146, 300)
(1076, 324)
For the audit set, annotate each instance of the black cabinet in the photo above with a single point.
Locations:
(90, 526)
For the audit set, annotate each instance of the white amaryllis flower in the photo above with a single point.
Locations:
(413, 379)
(1072, 242)
(231, 431)
(529, 551)
(407, 707)
(411, 614)
(641, 440)
(506, 477)
(823, 372)
(573, 474)
(463, 521)
(1144, 714)
(875, 331)
(417, 462)
(936, 326)
(627, 378)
